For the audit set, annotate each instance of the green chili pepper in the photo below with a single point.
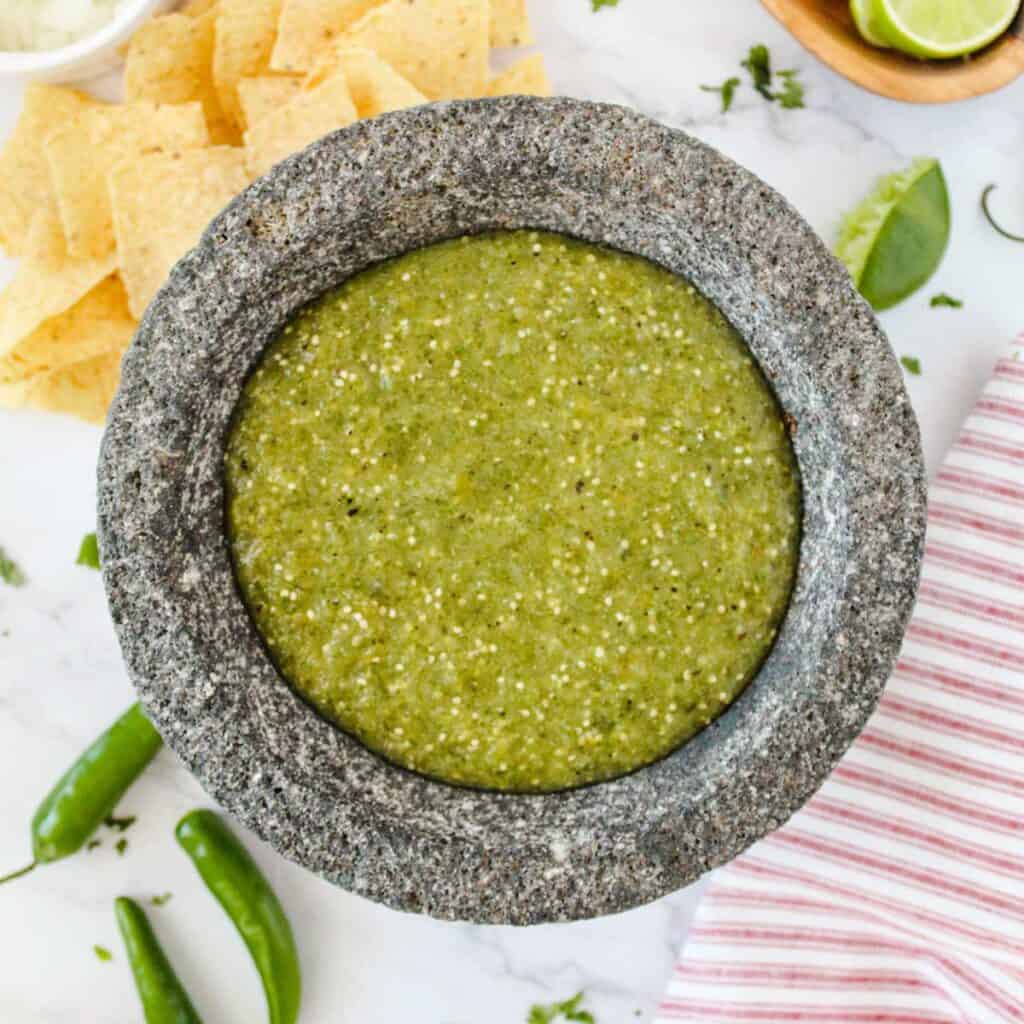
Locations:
(233, 877)
(164, 999)
(91, 788)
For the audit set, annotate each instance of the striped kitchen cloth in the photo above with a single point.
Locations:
(896, 895)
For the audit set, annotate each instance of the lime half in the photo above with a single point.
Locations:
(940, 28)
(895, 239)
(863, 12)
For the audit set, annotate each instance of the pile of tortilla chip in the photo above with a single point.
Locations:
(98, 201)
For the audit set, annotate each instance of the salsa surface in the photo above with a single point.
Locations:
(514, 510)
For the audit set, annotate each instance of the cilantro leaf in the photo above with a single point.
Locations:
(91, 845)
(119, 824)
(10, 572)
(568, 1010)
(911, 364)
(89, 552)
(727, 90)
(121, 845)
(102, 953)
(759, 64)
(598, 4)
(160, 899)
(942, 299)
(792, 95)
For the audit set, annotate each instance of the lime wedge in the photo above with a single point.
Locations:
(941, 28)
(894, 240)
(863, 12)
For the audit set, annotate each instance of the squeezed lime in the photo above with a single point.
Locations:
(894, 240)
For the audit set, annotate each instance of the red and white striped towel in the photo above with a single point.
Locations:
(897, 894)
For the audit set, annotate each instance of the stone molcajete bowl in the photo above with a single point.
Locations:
(381, 188)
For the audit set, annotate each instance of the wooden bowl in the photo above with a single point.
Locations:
(826, 29)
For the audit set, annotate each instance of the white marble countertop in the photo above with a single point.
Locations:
(61, 677)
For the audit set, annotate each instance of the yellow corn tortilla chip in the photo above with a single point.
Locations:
(12, 396)
(24, 174)
(310, 115)
(97, 324)
(375, 86)
(441, 46)
(527, 77)
(246, 30)
(83, 389)
(170, 60)
(81, 155)
(151, 238)
(261, 96)
(197, 8)
(510, 23)
(308, 27)
(48, 282)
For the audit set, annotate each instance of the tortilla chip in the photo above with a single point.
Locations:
(197, 8)
(527, 77)
(46, 248)
(48, 282)
(24, 172)
(376, 87)
(261, 96)
(151, 238)
(310, 115)
(441, 46)
(97, 324)
(246, 30)
(12, 396)
(84, 389)
(170, 60)
(81, 155)
(510, 23)
(308, 27)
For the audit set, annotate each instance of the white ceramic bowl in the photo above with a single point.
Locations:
(90, 56)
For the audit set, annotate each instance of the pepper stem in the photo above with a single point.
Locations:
(988, 216)
(17, 874)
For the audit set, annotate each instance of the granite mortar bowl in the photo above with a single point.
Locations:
(381, 188)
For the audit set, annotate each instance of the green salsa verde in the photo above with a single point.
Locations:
(514, 510)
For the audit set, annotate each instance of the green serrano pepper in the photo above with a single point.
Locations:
(90, 789)
(233, 877)
(164, 999)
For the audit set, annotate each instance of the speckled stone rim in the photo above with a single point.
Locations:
(381, 188)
